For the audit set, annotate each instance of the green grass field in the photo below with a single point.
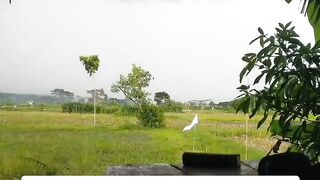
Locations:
(54, 143)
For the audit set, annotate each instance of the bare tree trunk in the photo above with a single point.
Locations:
(94, 102)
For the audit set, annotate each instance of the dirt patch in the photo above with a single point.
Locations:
(263, 144)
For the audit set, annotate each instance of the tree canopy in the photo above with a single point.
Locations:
(61, 93)
(291, 92)
(133, 85)
(161, 97)
(91, 63)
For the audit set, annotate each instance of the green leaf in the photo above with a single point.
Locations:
(281, 25)
(251, 54)
(256, 108)
(267, 63)
(261, 41)
(254, 40)
(297, 133)
(269, 76)
(243, 87)
(304, 6)
(246, 59)
(278, 60)
(264, 52)
(288, 24)
(288, 1)
(244, 70)
(313, 12)
(258, 79)
(237, 104)
(274, 116)
(265, 116)
(260, 30)
(272, 39)
(251, 65)
(295, 41)
(246, 105)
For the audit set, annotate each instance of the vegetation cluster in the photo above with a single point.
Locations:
(291, 93)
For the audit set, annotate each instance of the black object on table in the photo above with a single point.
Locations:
(193, 164)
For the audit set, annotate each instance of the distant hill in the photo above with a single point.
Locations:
(13, 98)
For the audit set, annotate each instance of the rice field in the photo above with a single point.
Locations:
(54, 143)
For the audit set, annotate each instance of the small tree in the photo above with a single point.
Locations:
(161, 97)
(91, 65)
(133, 86)
(151, 116)
(291, 92)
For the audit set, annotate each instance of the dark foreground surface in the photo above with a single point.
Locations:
(246, 168)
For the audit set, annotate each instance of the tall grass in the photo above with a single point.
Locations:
(46, 143)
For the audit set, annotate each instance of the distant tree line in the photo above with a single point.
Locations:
(13, 98)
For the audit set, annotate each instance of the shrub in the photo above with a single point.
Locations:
(77, 107)
(151, 116)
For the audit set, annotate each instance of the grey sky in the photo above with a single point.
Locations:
(193, 48)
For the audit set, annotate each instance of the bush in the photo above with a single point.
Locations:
(151, 116)
(77, 107)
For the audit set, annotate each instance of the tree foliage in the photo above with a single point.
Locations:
(290, 72)
(312, 9)
(314, 18)
(161, 97)
(151, 116)
(62, 94)
(133, 85)
(77, 107)
(91, 63)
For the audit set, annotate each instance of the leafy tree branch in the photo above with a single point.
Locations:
(291, 92)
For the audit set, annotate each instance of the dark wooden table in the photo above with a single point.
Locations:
(246, 168)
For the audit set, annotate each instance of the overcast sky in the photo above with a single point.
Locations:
(193, 48)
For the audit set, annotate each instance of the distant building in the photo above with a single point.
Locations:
(201, 104)
(30, 103)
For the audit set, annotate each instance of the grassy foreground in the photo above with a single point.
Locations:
(53, 143)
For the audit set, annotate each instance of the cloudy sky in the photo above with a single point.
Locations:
(193, 48)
